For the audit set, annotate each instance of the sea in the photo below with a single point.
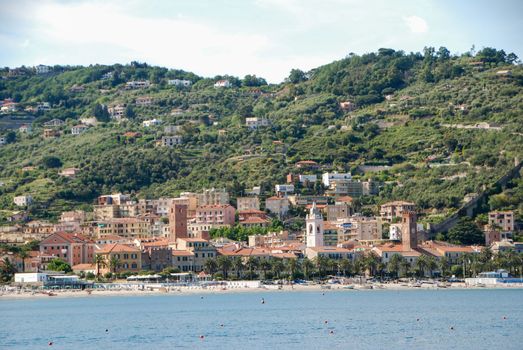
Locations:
(345, 319)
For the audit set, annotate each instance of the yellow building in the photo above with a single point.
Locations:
(128, 258)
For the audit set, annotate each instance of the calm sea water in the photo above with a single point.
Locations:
(287, 320)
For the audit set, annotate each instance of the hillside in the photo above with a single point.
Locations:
(415, 113)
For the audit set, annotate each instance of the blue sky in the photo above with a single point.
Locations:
(263, 37)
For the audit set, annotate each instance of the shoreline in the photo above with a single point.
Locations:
(185, 291)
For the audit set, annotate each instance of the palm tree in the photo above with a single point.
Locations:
(210, 266)
(265, 265)
(99, 260)
(224, 263)
(7, 270)
(405, 266)
(485, 257)
(252, 264)
(394, 265)
(431, 265)
(114, 264)
(322, 263)
(277, 267)
(23, 254)
(346, 266)
(371, 262)
(308, 266)
(293, 265)
(444, 266)
(237, 264)
(421, 265)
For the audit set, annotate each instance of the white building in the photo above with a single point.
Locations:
(171, 141)
(140, 84)
(284, 189)
(43, 106)
(78, 129)
(179, 82)
(277, 205)
(23, 201)
(30, 277)
(2, 141)
(255, 122)
(25, 128)
(307, 178)
(172, 129)
(247, 203)
(327, 178)
(222, 84)
(42, 69)
(151, 122)
(314, 227)
(117, 111)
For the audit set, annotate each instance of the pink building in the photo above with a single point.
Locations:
(222, 214)
(70, 247)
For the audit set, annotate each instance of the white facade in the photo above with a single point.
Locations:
(222, 83)
(307, 178)
(78, 129)
(22, 201)
(314, 227)
(179, 82)
(171, 141)
(327, 178)
(255, 122)
(141, 84)
(148, 123)
(2, 141)
(42, 69)
(284, 189)
(30, 277)
(116, 112)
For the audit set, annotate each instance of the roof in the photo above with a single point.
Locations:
(243, 251)
(274, 198)
(214, 206)
(110, 237)
(193, 239)
(117, 248)
(311, 162)
(254, 220)
(251, 211)
(67, 237)
(398, 203)
(327, 249)
(83, 267)
(396, 248)
(182, 253)
(344, 199)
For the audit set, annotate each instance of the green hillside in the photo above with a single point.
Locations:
(404, 112)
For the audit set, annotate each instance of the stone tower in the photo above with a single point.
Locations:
(177, 221)
(409, 233)
(314, 228)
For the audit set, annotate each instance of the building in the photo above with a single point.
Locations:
(220, 214)
(343, 187)
(177, 221)
(156, 257)
(284, 190)
(277, 205)
(25, 128)
(201, 249)
(144, 101)
(334, 253)
(42, 69)
(69, 172)
(72, 248)
(179, 82)
(213, 197)
(172, 129)
(124, 227)
(314, 228)
(50, 133)
(54, 123)
(359, 228)
(222, 84)
(117, 111)
(23, 201)
(503, 220)
(254, 123)
(327, 178)
(128, 258)
(338, 211)
(139, 84)
(151, 122)
(247, 203)
(391, 210)
(78, 129)
(347, 106)
(171, 141)
(183, 260)
(117, 199)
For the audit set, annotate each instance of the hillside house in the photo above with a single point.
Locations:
(23, 201)
(42, 69)
(179, 82)
(144, 101)
(54, 123)
(171, 141)
(139, 84)
(151, 122)
(79, 129)
(222, 84)
(254, 123)
(69, 172)
(117, 111)
(50, 133)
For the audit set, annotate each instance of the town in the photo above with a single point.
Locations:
(279, 235)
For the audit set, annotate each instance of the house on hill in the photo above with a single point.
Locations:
(78, 129)
(54, 123)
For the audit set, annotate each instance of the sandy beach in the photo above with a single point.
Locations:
(152, 290)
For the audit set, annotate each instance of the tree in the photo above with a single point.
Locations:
(210, 266)
(237, 264)
(101, 113)
(10, 136)
(466, 232)
(252, 264)
(23, 254)
(114, 264)
(50, 162)
(421, 265)
(265, 266)
(224, 264)
(59, 265)
(129, 112)
(444, 266)
(394, 265)
(7, 270)
(99, 261)
(308, 266)
(346, 267)
(277, 267)
(297, 76)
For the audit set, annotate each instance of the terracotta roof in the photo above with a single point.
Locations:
(284, 255)
(306, 162)
(327, 249)
(110, 237)
(182, 253)
(68, 237)
(193, 239)
(273, 198)
(83, 267)
(116, 248)
(345, 199)
(254, 220)
(212, 206)
(398, 203)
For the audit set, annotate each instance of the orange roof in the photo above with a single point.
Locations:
(245, 252)
(311, 162)
(111, 237)
(396, 248)
(117, 248)
(327, 249)
(254, 220)
(193, 239)
(273, 198)
(284, 255)
(182, 253)
(398, 203)
(83, 267)
(345, 199)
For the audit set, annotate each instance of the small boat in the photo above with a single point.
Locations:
(349, 287)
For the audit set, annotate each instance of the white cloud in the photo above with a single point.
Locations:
(416, 24)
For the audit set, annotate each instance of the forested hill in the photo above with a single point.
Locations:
(444, 126)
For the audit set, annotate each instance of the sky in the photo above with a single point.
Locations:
(267, 38)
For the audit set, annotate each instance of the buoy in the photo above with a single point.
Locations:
(504, 317)
(201, 337)
(106, 330)
(451, 328)
(331, 332)
(50, 343)
(326, 321)
(221, 325)
(417, 319)
(322, 293)
(201, 297)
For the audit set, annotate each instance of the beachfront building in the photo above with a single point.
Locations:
(128, 258)
(72, 248)
(201, 249)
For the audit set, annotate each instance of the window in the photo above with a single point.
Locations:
(134, 266)
(126, 256)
